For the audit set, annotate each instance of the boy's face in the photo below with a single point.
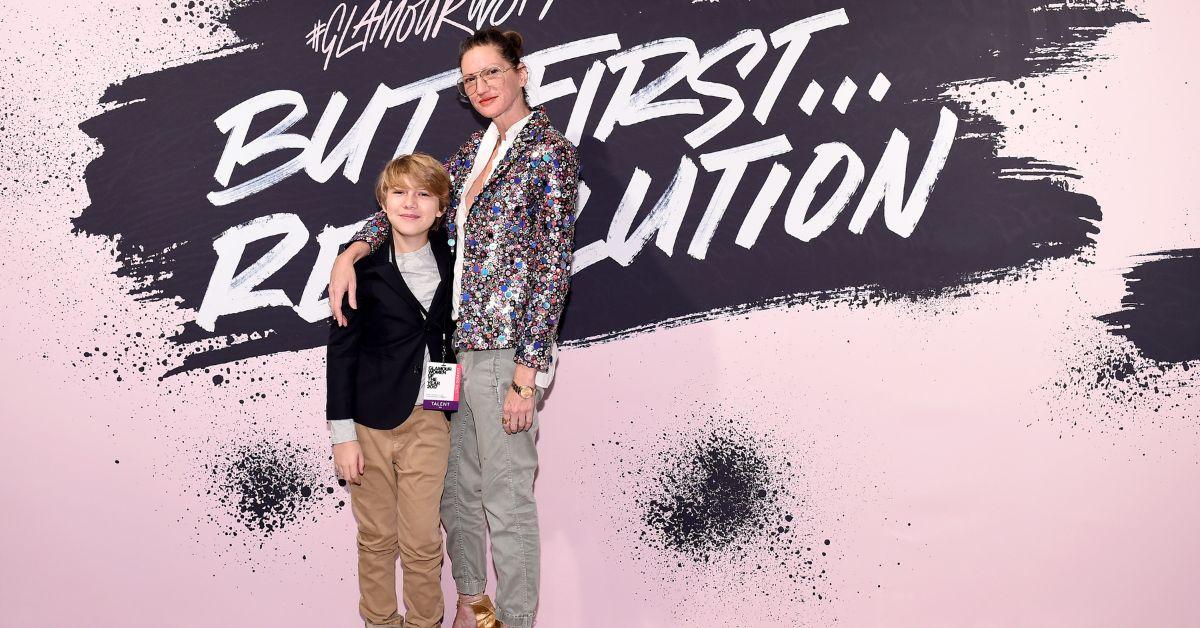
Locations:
(411, 210)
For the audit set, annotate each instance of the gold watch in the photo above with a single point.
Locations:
(526, 392)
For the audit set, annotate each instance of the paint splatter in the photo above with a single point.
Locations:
(1139, 369)
(711, 495)
(714, 500)
(1107, 386)
(1159, 310)
(198, 13)
(268, 485)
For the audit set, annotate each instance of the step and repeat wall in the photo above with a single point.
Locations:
(882, 313)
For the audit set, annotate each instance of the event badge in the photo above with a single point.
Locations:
(442, 381)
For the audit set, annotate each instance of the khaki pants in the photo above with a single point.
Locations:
(396, 507)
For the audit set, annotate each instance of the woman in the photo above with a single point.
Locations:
(512, 228)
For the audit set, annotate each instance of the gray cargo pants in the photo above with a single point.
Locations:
(490, 476)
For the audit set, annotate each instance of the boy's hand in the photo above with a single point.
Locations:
(348, 459)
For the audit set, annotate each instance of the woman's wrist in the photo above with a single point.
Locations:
(524, 375)
(355, 251)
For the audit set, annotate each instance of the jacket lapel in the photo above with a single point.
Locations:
(462, 170)
(386, 270)
(445, 263)
(517, 151)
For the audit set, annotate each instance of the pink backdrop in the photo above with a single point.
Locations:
(959, 453)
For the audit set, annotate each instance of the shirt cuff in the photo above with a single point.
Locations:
(342, 431)
(543, 377)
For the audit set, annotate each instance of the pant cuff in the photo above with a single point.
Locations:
(470, 587)
(514, 620)
(396, 621)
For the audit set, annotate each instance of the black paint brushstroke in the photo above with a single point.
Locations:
(1160, 312)
(161, 148)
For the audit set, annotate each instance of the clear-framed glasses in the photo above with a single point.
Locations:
(469, 83)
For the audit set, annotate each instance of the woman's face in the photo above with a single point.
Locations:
(501, 93)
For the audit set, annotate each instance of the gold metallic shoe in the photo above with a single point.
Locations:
(485, 613)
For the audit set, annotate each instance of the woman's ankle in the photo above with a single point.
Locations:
(464, 599)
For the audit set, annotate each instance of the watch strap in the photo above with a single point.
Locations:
(520, 390)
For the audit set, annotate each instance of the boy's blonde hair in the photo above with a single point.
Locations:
(419, 170)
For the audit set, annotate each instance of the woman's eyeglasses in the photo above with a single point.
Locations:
(469, 83)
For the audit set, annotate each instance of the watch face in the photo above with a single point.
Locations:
(526, 392)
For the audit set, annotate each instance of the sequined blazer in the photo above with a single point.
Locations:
(518, 245)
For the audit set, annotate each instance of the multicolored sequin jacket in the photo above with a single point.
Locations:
(519, 242)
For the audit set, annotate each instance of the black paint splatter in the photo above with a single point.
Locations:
(1142, 371)
(206, 17)
(267, 485)
(715, 499)
(1109, 385)
(712, 494)
(1160, 312)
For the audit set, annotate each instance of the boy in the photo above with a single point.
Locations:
(391, 451)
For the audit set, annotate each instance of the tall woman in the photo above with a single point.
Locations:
(512, 228)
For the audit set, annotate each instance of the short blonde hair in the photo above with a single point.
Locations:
(418, 169)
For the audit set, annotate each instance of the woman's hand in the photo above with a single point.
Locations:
(343, 281)
(518, 411)
(348, 459)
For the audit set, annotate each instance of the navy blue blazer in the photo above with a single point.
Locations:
(373, 365)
